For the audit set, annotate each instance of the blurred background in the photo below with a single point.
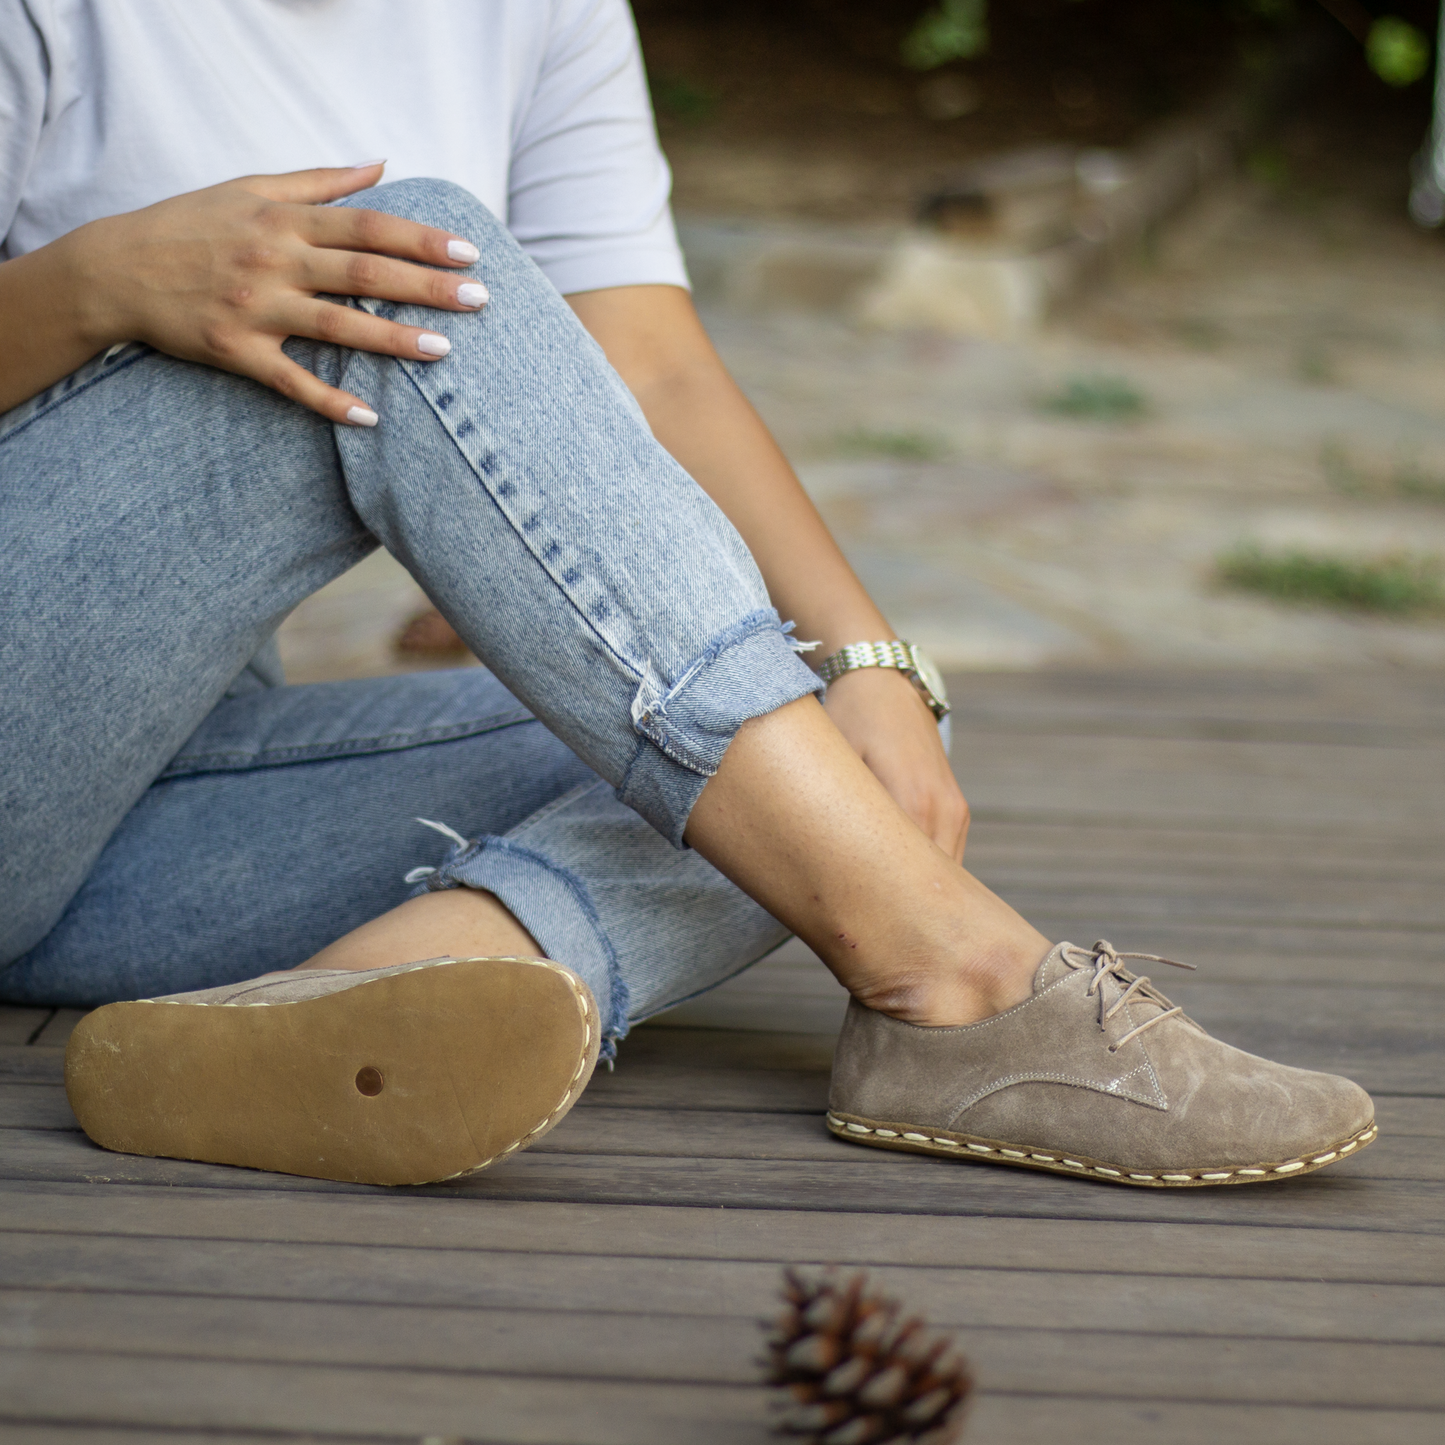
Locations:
(1104, 332)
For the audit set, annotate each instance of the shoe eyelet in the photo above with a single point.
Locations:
(369, 1081)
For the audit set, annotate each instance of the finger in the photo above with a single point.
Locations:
(309, 188)
(348, 228)
(360, 273)
(345, 326)
(272, 367)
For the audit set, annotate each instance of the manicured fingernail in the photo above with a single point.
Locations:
(463, 251)
(430, 344)
(360, 416)
(472, 293)
(367, 165)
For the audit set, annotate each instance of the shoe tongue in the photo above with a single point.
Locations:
(1053, 968)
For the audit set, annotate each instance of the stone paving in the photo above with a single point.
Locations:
(1290, 356)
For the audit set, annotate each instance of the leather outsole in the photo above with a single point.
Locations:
(946, 1144)
(419, 1076)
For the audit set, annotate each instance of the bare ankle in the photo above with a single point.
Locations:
(454, 923)
(953, 992)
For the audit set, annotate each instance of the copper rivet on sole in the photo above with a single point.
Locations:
(369, 1081)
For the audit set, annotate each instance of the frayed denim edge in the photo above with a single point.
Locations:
(449, 875)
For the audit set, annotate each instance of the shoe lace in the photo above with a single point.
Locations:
(1107, 962)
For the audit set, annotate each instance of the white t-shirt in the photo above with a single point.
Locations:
(538, 107)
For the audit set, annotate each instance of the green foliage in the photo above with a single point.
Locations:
(1397, 583)
(905, 446)
(680, 99)
(1097, 398)
(1397, 52)
(951, 30)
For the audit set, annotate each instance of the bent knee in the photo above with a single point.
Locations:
(435, 202)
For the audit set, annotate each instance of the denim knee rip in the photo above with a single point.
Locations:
(551, 902)
(748, 670)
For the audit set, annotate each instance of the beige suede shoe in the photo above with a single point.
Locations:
(1096, 1075)
(401, 1075)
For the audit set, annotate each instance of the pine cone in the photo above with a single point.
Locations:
(859, 1374)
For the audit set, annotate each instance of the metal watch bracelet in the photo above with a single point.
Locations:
(903, 656)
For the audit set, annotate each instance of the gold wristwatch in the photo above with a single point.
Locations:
(908, 659)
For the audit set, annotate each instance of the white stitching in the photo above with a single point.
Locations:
(581, 1001)
(1193, 1177)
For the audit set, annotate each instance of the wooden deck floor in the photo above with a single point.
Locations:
(1285, 833)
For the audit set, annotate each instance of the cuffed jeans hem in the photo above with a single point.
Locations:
(553, 905)
(751, 669)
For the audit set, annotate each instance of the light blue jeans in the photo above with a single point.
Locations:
(172, 816)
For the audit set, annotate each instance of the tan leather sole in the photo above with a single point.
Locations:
(949, 1145)
(407, 1079)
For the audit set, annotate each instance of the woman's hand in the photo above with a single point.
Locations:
(884, 717)
(223, 276)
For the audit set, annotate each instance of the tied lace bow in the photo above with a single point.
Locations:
(1107, 961)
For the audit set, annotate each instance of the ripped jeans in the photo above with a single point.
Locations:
(172, 816)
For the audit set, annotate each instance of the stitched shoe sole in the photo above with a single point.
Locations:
(418, 1076)
(993, 1151)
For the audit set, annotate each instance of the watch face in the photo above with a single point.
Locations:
(930, 676)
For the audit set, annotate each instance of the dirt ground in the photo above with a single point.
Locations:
(1286, 338)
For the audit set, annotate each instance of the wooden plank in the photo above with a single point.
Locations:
(1234, 785)
(19, 1025)
(57, 1028)
(1383, 853)
(328, 1400)
(868, 1182)
(34, 1106)
(495, 1279)
(1075, 700)
(30, 1433)
(659, 1231)
(710, 1350)
(1015, 1420)
(23, 1065)
(1262, 900)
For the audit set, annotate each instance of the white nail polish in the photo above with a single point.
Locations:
(367, 165)
(463, 251)
(430, 344)
(472, 293)
(360, 416)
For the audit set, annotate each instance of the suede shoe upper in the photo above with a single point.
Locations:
(1095, 1062)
